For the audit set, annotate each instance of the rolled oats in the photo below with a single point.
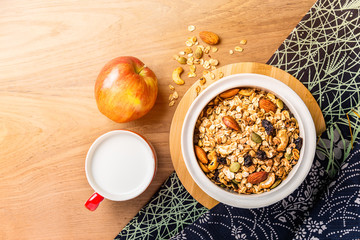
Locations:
(206, 64)
(207, 49)
(213, 62)
(188, 50)
(191, 74)
(188, 43)
(191, 28)
(192, 68)
(171, 87)
(262, 142)
(175, 95)
(239, 49)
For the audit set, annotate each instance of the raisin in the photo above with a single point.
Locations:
(216, 174)
(260, 154)
(298, 143)
(269, 128)
(247, 160)
(221, 160)
(235, 185)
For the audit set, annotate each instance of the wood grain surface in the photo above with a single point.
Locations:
(50, 55)
(189, 97)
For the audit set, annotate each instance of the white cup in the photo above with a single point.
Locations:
(120, 165)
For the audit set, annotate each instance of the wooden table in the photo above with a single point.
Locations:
(50, 55)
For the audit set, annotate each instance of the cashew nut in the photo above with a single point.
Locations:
(176, 76)
(269, 181)
(283, 140)
(213, 165)
(212, 156)
(246, 91)
(276, 140)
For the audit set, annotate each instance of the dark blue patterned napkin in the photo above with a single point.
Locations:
(323, 52)
(337, 214)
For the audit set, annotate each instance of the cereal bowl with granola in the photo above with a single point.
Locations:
(248, 140)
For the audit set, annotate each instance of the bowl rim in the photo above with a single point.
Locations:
(301, 113)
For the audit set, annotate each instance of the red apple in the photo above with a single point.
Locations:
(125, 89)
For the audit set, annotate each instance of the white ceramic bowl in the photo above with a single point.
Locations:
(295, 105)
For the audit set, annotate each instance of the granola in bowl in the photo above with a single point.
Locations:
(247, 141)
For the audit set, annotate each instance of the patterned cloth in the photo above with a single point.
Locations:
(337, 214)
(169, 210)
(323, 52)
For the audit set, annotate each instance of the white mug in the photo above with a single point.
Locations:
(120, 165)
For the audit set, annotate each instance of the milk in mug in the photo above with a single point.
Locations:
(121, 165)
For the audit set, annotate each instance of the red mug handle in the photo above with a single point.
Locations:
(93, 202)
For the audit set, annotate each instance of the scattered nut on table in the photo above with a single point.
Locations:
(176, 76)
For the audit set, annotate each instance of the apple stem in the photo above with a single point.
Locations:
(138, 72)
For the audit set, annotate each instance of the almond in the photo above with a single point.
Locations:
(229, 93)
(230, 122)
(267, 105)
(204, 168)
(257, 177)
(201, 154)
(209, 37)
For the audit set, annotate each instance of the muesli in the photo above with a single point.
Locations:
(246, 140)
